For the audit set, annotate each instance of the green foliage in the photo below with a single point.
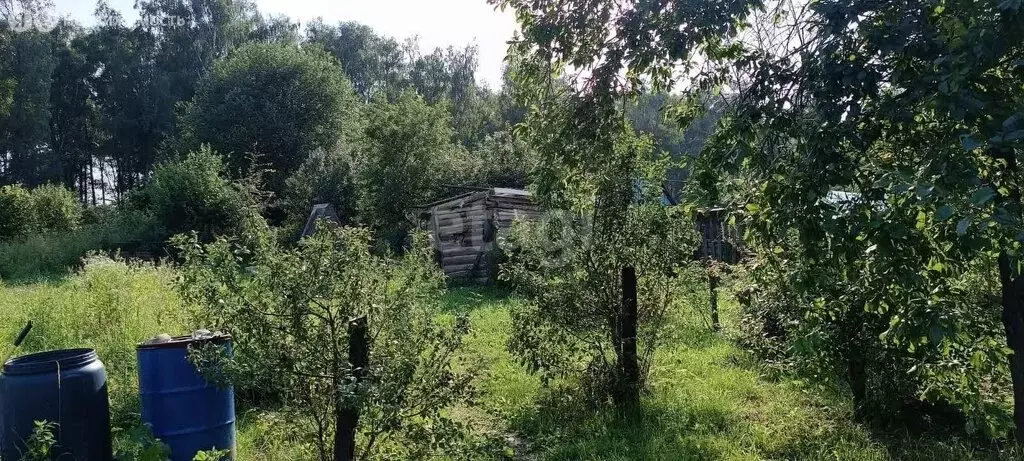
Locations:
(288, 310)
(211, 455)
(141, 445)
(568, 269)
(16, 217)
(709, 400)
(407, 158)
(24, 131)
(899, 277)
(195, 194)
(42, 440)
(274, 104)
(373, 63)
(503, 159)
(45, 209)
(325, 177)
(608, 181)
(56, 254)
(914, 106)
(56, 209)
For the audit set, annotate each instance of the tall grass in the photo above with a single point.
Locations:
(56, 254)
(110, 306)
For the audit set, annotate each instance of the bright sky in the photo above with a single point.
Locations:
(438, 23)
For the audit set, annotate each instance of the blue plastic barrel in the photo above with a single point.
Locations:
(185, 411)
(64, 387)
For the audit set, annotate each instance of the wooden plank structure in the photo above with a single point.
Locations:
(320, 211)
(465, 229)
(718, 239)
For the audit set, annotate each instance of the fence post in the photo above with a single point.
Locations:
(348, 415)
(627, 335)
(713, 294)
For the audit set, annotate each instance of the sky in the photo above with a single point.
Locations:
(437, 23)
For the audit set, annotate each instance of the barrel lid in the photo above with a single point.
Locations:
(49, 361)
(183, 342)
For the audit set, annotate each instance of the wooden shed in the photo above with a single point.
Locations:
(719, 240)
(465, 229)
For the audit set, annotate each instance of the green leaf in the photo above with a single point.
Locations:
(753, 208)
(982, 196)
(961, 227)
(943, 212)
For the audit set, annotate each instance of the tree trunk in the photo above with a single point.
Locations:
(857, 377)
(629, 363)
(1013, 322)
(347, 416)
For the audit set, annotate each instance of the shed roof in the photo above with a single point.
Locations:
(475, 195)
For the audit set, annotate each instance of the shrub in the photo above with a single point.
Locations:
(569, 270)
(325, 177)
(288, 310)
(503, 159)
(16, 217)
(407, 157)
(44, 255)
(56, 208)
(195, 194)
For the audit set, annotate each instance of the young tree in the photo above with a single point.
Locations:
(600, 279)
(406, 159)
(56, 209)
(299, 312)
(588, 161)
(16, 217)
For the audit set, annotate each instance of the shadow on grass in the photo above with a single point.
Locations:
(561, 426)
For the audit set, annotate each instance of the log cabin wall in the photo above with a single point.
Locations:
(466, 228)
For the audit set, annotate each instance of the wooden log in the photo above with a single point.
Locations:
(459, 275)
(449, 268)
(456, 250)
(462, 259)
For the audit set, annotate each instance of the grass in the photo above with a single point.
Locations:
(110, 307)
(41, 256)
(707, 401)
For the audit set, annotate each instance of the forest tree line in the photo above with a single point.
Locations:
(95, 108)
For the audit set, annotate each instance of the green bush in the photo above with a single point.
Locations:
(273, 104)
(325, 177)
(407, 157)
(195, 194)
(290, 310)
(15, 212)
(46, 255)
(56, 209)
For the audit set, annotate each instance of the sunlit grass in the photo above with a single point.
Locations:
(707, 398)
